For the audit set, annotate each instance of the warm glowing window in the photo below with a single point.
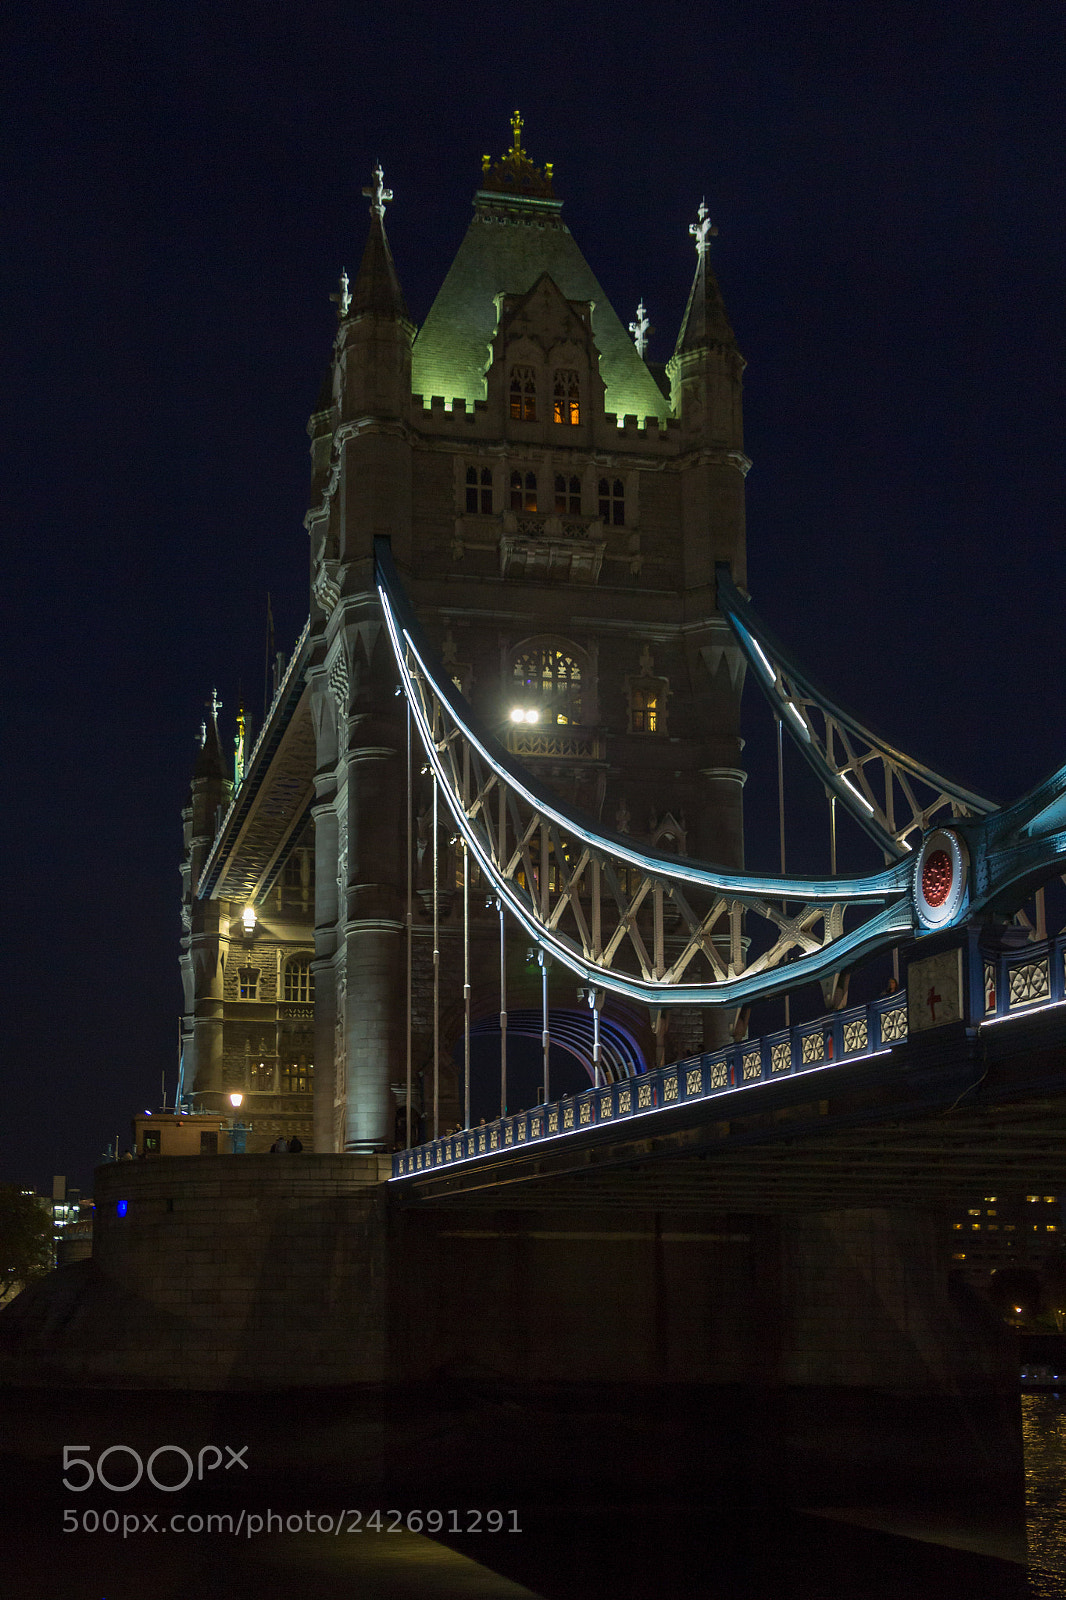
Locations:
(523, 394)
(297, 1077)
(1032, 1198)
(566, 397)
(299, 981)
(248, 982)
(549, 680)
(262, 1077)
(644, 710)
(479, 491)
(567, 494)
(1049, 1199)
(612, 498)
(973, 1213)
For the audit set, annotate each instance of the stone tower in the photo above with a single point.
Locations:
(556, 507)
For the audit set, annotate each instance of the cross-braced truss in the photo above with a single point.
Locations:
(895, 798)
(657, 928)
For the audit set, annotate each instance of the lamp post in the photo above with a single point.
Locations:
(238, 1131)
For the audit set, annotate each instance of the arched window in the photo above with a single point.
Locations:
(613, 501)
(523, 394)
(299, 981)
(479, 490)
(566, 396)
(549, 682)
(568, 494)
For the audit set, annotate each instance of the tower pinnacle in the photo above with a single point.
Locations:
(640, 329)
(705, 322)
(377, 194)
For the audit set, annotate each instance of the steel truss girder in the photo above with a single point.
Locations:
(866, 774)
(606, 912)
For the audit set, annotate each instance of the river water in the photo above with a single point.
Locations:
(551, 1549)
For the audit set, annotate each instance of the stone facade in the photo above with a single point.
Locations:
(555, 508)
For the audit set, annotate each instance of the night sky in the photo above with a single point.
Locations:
(181, 188)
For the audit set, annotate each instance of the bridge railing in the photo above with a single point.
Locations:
(1023, 979)
(1016, 982)
(863, 1030)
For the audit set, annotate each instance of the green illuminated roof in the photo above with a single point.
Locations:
(509, 244)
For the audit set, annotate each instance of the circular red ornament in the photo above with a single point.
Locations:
(936, 877)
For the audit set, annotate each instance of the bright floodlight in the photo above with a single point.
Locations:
(236, 1100)
(249, 919)
(517, 714)
(532, 716)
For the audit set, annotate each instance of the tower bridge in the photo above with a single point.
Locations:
(503, 763)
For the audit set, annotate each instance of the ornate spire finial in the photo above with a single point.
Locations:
(342, 299)
(203, 732)
(639, 329)
(514, 173)
(215, 703)
(377, 194)
(702, 230)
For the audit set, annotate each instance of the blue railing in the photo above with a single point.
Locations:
(863, 1030)
(1003, 983)
(1021, 980)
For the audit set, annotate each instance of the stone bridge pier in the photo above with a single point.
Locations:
(812, 1359)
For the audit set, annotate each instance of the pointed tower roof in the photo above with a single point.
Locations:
(210, 763)
(516, 235)
(705, 321)
(376, 290)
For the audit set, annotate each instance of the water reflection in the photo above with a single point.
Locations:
(1044, 1433)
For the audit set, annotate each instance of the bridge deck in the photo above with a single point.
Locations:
(842, 1110)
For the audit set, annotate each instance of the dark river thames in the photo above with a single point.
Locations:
(62, 1544)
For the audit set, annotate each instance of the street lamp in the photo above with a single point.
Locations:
(238, 1132)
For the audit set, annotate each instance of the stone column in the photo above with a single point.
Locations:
(373, 929)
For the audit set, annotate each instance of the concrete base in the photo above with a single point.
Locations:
(806, 1358)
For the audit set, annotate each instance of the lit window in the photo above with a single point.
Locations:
(612, 498)
(1032, 1198)
(248, 982)
(973, 1213)
(523, 394)
(297, 1077)
(993, 1227)
(299, 981)
(960, 1255)
(992, 1213)
(956, 1226)
(1049, 1199)
(262, 1077)
(976, 1226)
(553, 678)
(1008, 1227)
(990, 1199)
(479, 491)
(566, 397)
(1052, 1227)
(568, 494)
(643, 710)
